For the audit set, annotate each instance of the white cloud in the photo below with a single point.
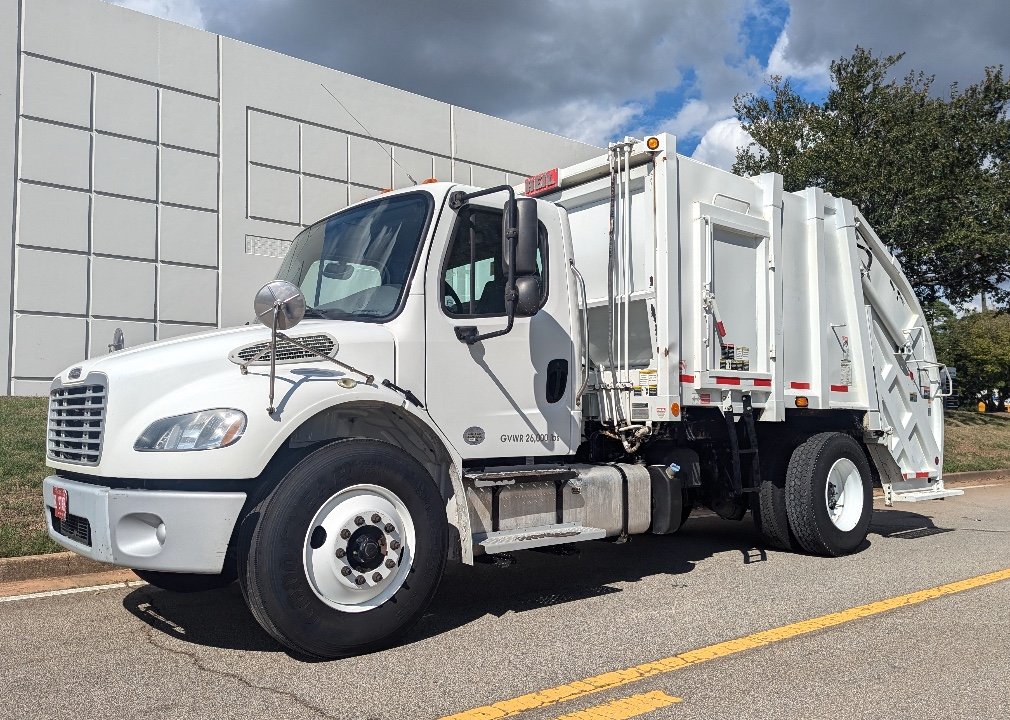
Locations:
(814, 73)
(719, 144)
(186, 12)
(585, 120)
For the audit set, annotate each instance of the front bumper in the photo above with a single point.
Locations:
(167, 530)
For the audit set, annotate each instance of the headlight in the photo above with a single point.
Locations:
(203, 430)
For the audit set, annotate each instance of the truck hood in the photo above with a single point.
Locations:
(202, 372)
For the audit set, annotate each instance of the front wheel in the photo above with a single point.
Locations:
(347, 550)
(829, 494)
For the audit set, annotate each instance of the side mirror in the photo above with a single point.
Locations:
(527, 228)
(281, 299)
(528, 295)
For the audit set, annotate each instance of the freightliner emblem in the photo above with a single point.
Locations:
(473, 435)
(75, 373)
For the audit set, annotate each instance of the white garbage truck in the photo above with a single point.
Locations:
(454, 373)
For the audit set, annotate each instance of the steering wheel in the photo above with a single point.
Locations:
(450, 293)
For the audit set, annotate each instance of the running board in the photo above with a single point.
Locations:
(928, 494)
(520, 474)
(534, 537)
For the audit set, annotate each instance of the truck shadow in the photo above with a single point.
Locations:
(538, 579)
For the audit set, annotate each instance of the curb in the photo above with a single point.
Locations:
(61, 564)
(975, 475)
(35, 567)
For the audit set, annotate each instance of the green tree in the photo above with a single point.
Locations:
(929, 172)
(978, 345)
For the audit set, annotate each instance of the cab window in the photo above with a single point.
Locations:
(473, 281)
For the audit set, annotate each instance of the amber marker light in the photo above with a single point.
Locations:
(675, 409)
(801, 401)
(429, 181)
(652, 143)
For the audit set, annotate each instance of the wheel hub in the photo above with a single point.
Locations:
(366, 549)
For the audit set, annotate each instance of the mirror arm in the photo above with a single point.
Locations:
(278, 304)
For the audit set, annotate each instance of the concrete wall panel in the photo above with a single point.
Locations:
(321, 198)
(122, 288)
(124, 43)
(53, 217)
(102, 331)
(28, 388)
(172, 330)
(499, 143)
(189, 178)
(273, 194)
(188, 294)
(126, 167)
(45, 345)
(273, 140)
(55, 91)
(126, 107)
(417, 164)
(55, 154)
(369, 163)
(188, 121)
(188, 236)
(51, 281)
(125, 227)
(324, 152)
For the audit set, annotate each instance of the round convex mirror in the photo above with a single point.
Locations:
(286, 297)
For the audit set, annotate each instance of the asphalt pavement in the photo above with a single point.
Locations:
(577, 628)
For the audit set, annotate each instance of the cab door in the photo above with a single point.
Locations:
(512, 395)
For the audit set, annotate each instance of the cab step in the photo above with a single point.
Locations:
(522, 473)
(535, 537)
(927, 494)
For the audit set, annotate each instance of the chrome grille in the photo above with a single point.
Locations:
(76, 421)
(286, 351)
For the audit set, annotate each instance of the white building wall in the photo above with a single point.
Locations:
(151, 175)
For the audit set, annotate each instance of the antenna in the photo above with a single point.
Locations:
(411, 177)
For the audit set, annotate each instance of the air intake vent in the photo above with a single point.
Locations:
(287, 352)
(76, 422)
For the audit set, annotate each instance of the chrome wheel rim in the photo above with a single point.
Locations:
(358, 548)
(843, 494)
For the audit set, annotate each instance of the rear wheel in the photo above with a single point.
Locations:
(770, 515)
(347, 550)
(829, 494)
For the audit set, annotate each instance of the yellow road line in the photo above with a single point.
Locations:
(617, 678)
(625, 708)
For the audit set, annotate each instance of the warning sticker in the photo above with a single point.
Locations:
(734, 357)
(639, 411)
(647, 383)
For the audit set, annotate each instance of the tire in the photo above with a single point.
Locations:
(185, 582)
(829, 494)
(319, 520)
(771, 518)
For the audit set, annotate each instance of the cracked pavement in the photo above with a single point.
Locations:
(493, 633)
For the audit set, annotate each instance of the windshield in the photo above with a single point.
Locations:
(356, 264)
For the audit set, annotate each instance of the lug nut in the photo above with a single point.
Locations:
(376, 577)
(395, 545)
(360, 580)
(345, 571)
(390, 527)
(359, 521)
(341, 552)
(345, 533)
(376, 518)
(390, 563)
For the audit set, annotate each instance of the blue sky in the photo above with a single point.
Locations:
(596, 70)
